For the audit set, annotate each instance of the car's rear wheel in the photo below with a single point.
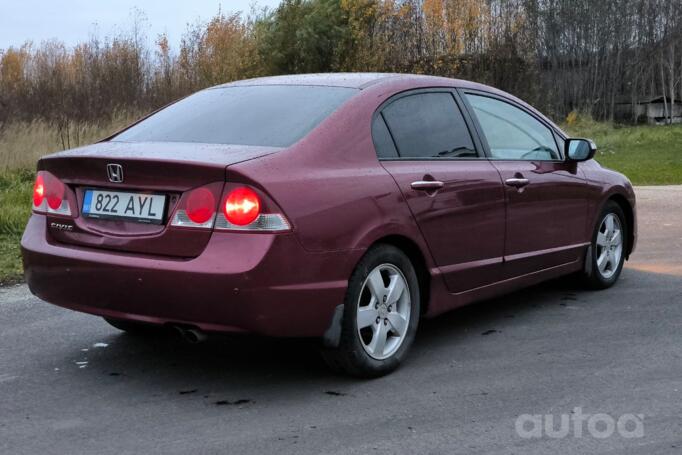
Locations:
(381, 314)
(608, 247)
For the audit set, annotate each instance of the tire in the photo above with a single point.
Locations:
(133, 328)
(375, 303)
(608, 248)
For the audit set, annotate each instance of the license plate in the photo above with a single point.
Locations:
(140, 207)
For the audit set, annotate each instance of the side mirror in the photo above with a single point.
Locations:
(580, 149)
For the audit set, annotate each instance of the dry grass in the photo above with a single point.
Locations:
(22, 144)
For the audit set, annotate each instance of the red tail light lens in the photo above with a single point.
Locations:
(242, 209)
(38, 191)
(200, 205)
(49, 194)
(197, 208)
(54, 192)
(242, 206)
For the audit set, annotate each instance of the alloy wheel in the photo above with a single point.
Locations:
(383, 312)
(609, 246)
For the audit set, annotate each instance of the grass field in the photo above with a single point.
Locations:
(648, 155)
(15, 195)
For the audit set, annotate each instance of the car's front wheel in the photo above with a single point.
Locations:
(381, 314)
(608, 247)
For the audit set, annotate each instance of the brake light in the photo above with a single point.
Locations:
(49, 195)
(242, 209)
(200, 205)
(38, 191)
(242, 206)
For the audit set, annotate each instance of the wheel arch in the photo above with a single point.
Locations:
(624, 204)
(418, 260)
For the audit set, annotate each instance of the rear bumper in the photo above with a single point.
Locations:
(261, 283)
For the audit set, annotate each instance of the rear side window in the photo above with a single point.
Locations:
(266, 115)
(429, 125)
(383, 142)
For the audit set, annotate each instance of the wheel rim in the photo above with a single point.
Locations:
(383, 314)
(609, 246)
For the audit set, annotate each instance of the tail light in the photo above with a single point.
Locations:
(38, 191)
(49, 195)
(243, 209)
(197, 208)
(54, 193)
(200, 206)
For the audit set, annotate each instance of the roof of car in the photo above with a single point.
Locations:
(364, 80)
(349, 80)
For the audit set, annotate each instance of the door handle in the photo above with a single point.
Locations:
(517, 182)
(427, 185)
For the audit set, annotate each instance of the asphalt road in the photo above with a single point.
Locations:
(70, 384)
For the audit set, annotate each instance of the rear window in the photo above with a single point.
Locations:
(265, 115)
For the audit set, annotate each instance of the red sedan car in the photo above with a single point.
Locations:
(340, 206)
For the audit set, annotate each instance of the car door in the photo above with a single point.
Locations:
(456, 196)
(546, 195)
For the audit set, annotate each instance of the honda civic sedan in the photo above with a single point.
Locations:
(343, 207)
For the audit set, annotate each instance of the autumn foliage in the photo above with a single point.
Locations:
(560, 55)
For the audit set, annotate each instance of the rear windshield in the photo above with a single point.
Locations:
(265, 115)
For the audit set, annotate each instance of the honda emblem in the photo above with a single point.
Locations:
(115, 173)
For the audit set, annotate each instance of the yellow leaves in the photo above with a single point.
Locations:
(12, 65)
(225, 51)
(95, 78)
(572, 118)
(359, 7)
(434, 12)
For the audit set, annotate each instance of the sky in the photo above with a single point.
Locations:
(74, 21)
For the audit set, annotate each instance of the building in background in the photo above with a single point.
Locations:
(654, 110)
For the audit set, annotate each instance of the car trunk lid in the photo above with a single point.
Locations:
(169, 169)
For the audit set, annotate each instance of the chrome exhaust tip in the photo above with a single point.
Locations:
(191, 335)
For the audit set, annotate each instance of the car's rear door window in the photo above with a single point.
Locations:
(383, 142)
(511, 133)
(429, 125)
(267, 115)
